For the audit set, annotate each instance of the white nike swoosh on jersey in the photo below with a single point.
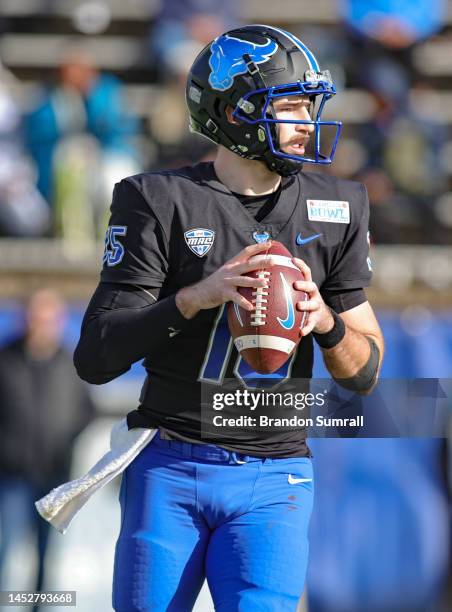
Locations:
(292, 480)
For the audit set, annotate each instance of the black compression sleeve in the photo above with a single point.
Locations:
(367, 375)
(122, 325)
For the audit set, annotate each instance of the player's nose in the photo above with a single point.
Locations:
(304, 127)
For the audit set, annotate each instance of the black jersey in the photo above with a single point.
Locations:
(171, 229)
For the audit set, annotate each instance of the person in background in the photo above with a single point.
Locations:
(23, 210)
(180, 30)
(403, 139)
(43, 408)
(80, 136)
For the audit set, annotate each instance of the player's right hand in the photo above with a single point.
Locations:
(222, 285)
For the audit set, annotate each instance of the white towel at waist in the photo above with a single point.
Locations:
(61, 505)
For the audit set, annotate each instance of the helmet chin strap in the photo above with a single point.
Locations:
(283, 167)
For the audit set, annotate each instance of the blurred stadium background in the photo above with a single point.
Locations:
(91, 91)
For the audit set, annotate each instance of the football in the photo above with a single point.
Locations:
(266, 336)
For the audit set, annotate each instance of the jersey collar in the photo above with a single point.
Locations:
(279, 216)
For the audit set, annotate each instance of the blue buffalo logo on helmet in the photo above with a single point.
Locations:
(227, 60)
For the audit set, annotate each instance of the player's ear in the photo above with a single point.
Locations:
(229, 111)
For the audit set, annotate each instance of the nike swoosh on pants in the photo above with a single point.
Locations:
(292, 480)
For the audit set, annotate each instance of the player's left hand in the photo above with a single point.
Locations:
(320, 319)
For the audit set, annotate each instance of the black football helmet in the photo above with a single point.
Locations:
(246, 69)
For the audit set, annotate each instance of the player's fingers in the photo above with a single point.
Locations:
(250, 250)
(246, 281)
(303, 266)
(258, 262)
(307, 329)
(241, 301)
(308, 305)
(307, 286)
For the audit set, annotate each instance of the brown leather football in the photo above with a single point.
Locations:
(266, 336)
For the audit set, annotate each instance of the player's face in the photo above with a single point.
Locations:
(293, 137)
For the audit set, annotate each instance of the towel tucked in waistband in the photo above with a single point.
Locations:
(61, 505)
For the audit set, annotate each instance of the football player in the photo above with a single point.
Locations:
(234, 509)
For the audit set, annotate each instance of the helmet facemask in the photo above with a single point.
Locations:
(323, 138)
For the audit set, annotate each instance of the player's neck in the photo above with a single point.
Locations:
(245, 176)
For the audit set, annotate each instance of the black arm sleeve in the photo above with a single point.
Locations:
(123, 324)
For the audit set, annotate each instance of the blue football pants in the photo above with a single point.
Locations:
(196, 511)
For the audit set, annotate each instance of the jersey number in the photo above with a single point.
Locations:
(114, 251)
(218, 355)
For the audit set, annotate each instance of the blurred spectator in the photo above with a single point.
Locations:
(80, 135)
(23, 211)
(403, 141)
(181, 29)
(43, 407)
(395, 24)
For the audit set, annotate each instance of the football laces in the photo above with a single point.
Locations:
(259, 301)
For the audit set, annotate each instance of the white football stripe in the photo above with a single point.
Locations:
(266, 342)
(277, 260)
(237, 314)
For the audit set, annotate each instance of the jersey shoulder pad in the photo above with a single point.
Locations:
(165, 190)
(155, 194)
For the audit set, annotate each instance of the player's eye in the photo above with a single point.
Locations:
(286, 108)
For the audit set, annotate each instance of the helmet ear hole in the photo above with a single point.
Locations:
(230, 117)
